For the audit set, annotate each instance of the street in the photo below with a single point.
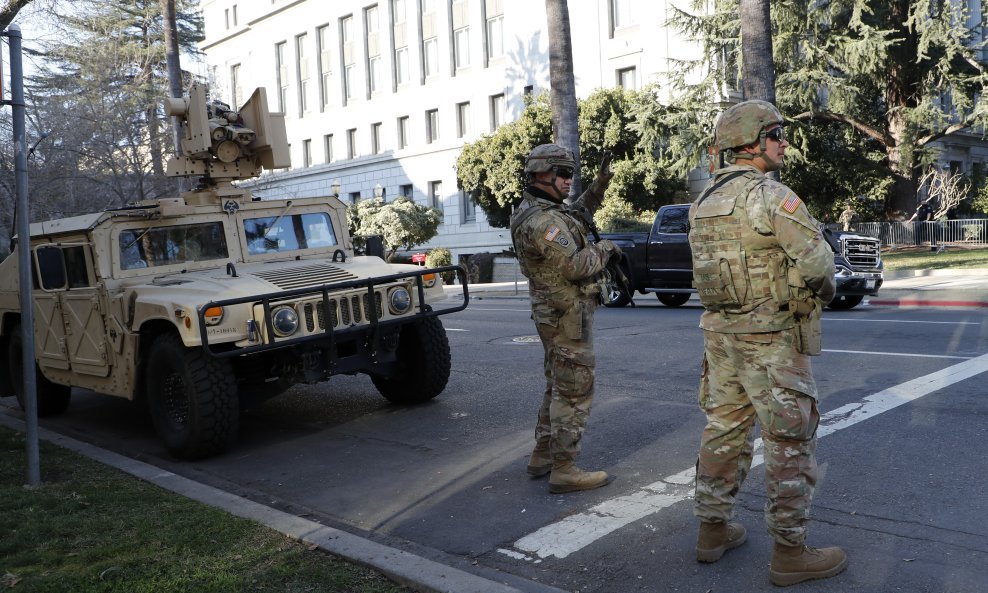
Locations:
(901, 469)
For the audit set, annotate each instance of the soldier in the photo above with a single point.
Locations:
(764, 273)
(564, 272)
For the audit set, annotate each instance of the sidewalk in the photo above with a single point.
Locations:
(903, 288)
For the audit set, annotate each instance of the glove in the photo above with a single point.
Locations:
(609, 250)
(604, 174)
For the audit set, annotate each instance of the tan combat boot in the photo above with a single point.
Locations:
(717, 538)
(795, 564)
(569, 478)
(540, 463)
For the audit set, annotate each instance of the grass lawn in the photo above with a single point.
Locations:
(922, 258)
(92, 528)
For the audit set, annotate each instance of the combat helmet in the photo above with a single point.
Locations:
(742, 124)
(546, 156)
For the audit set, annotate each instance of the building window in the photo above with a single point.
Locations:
(302, 71)
(402, 73)
(403, 131)
(327, 142)
(236, 92)
(354, 197)
(325, 66)
(497, 111)
(351, 143)
(462, 119)
(528, 90)
(376, 138)
(461, 35)
(431, 57)
(372, 36)
(627, 79)
(281, 72)
(348, 56)
(405, 191)
(431, 125)
(226, 17)
(620, 14)
(233, 12)
(436, 195)
(495, 29)
(468, 207)
(307, 153)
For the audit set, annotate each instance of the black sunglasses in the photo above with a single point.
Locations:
(777, 134)
(564, 172)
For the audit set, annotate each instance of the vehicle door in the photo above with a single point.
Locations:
(73, 308)
(669, 258)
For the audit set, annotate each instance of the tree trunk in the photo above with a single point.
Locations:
(562, 93)
(902, 86)
(758, 67)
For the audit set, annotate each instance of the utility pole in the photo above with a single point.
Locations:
(29, 383)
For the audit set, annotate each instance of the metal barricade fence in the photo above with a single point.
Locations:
(971, 232)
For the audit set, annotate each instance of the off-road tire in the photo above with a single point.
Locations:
(52, 398)
(192, 398)
(673, 299)
(845, 302)
(423, 364)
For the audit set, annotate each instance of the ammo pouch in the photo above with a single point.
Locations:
(716, 285)
(808, 327)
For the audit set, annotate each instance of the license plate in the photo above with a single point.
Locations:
(869, 284)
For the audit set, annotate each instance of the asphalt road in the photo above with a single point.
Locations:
(901, 455)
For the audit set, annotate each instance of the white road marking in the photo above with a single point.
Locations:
(900, 354)
(575, 532)
(453, 329)
(856, 320)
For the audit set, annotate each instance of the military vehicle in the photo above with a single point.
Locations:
(201, 304)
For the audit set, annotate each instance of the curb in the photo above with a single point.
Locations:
(419, 573)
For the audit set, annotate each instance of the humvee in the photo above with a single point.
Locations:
(203, 303)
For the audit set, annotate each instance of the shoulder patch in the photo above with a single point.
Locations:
(552, 233)
(791, 203)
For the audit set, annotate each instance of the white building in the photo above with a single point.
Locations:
(385, 93)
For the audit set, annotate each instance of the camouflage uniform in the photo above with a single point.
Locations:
(755, 248)
(563, 269)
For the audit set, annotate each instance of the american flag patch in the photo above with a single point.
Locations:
(552, 233)
(791, 203)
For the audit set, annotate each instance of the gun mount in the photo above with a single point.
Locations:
(221, 145)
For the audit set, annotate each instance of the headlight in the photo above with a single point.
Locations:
(429, 280)
(399, 301)
(285, 321)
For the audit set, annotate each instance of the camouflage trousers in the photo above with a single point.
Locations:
(758, 376)
(567, 341)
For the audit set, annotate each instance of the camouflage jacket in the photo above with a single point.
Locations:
(553, 251)
(755, 246)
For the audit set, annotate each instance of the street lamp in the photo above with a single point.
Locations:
(335, 188)
(378, 191)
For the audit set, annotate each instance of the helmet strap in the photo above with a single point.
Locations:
(550, 188)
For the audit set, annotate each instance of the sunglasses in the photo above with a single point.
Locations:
(564, 172)
(777, 134)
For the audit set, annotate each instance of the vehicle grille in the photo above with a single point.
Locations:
(345, 311)
(861, 252)
(305, 276)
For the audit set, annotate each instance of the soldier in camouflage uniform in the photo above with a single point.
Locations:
(564, 272)
(763, 272)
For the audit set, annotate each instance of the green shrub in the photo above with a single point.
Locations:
(438, 257)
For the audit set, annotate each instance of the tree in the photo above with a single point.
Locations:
(758, 67)
(901, 73)
(9, 10)
(402, 223)
(562, 84)
(622, 121)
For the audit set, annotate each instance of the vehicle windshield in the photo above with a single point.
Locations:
(162, 246)
(272, 234)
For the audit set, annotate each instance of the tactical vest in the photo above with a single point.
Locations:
(735, 268)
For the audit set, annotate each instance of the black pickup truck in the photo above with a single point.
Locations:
(660, 261)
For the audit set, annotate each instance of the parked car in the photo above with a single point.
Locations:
(660, 261)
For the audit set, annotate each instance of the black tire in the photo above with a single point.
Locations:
(52, 398)
(192, 398)
(423, 364)
(673, 299)
(845, 301)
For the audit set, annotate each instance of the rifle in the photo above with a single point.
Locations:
(620, 283)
